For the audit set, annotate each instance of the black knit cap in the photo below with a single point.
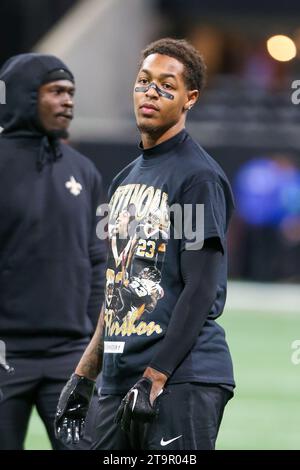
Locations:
(58, 74)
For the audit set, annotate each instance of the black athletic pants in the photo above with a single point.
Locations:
(37, 381)
(189, 418)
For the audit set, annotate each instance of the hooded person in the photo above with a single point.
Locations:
(51, 261)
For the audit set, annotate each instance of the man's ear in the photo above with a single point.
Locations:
(193, 96)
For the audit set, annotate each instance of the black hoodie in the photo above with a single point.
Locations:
(51, 262)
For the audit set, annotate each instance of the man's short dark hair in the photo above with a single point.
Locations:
(194, 66)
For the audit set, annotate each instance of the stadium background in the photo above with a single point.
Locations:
(248, 120)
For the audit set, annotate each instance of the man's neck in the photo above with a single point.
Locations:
(155, 138)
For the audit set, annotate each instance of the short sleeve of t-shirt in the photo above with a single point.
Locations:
(203, 207)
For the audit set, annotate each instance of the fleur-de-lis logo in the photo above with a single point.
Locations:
(74, 187)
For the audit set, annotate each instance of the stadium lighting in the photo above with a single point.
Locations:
(281, 48)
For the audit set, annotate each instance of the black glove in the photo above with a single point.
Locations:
(72, 409)
(136, 405)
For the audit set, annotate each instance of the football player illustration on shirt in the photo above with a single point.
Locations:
(141, 294)
(151, 241)
(121, 245)
(133, 284)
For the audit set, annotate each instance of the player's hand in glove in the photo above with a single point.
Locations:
(72, 409)
(136, 405)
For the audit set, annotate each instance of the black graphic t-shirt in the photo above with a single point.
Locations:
(171, 198)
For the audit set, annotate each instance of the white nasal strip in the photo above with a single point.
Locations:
(114, 346)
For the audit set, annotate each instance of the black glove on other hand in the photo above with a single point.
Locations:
(72, 409)
(136, 405)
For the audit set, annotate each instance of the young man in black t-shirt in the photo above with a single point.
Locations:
(163, 350)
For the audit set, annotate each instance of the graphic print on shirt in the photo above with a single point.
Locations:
(138, 237)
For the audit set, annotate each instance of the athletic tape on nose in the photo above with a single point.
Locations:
(163, 93)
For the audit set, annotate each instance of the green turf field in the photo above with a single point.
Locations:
(265, 412)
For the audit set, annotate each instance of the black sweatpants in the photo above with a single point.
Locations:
(37, 381)
(189, 418)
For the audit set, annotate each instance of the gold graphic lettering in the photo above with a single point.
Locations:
(128, 326)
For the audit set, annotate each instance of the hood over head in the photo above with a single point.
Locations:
(23, 75)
